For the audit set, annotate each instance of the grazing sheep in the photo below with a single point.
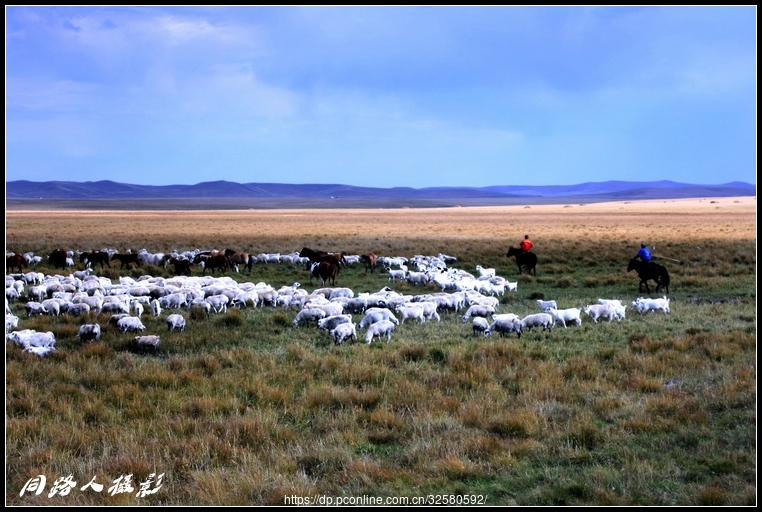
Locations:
(411, 311)
(329, 323)
(155, 307)
(148, 341)
(35, 308)
(646, 304)
(479, 324)
(137, 308)
(356, 305)
(30, 338)
(176, 321)
(11, 322)
(596, 311)
(379, 329)
(485, 272)
(504, 326)
(543, 320)
(547, 304)
(479, 310)
(373, 315)
(114, 319)
(78, 309)
(89, 332)
(566, 315)
(130, 323)
(344, 331)
(309, 316)
(511, 287)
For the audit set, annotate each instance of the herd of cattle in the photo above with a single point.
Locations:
(329, 308)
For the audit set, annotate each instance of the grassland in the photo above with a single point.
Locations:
(244, 409)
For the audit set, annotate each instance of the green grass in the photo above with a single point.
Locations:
(244, 409)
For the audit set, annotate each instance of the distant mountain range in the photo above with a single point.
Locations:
(273, 195)
(113, 190)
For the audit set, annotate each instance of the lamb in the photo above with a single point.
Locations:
(547, 304)
(485, 272)
(137, 307)
(646, 304)
(378, 329)
(596, 311)
(543, 320)
(416, 278)
(130, 323)
(329, 323)
(505, 326)
(176, 321)
(511, 287)
(479, 324)
(308, 315)
(89, 332)
(344, 331)
(566, 315)
(373, 315)
(411, 311)
(11, 322)
(155, 307)
(148, 341)
(479, 310)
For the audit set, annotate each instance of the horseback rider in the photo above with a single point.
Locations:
(644, 254)
(526, 244)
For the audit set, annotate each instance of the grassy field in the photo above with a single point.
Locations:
(244, 409)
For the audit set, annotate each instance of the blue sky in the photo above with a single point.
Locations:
(381, 96)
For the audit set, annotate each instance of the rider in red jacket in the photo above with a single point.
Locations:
(526, 244)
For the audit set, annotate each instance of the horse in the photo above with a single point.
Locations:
(525, 260)
(236, 258)
(337, 259)
(648, 270)
(370, 260)
(94, 258)
(125, 259)
(57, 258)
(181, 266)
(14, 261)
(219, 261)
(325, 271)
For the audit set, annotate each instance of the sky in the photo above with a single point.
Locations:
(381, 96)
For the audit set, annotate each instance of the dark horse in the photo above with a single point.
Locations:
(648, 270)
(336, 258)
(125, 259)
(525, 260)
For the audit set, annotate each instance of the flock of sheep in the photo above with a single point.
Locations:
(329, 308)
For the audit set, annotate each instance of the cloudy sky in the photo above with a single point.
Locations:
(381, 96)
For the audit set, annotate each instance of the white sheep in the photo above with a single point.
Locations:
(479, 324)
(35, 308)
(11, 322)
(379, 329)
(40, 351)
(155, 307)
(30, 338)
(511, 287)
(596, 311)
(646, 304)
(429, 310)
(89, 332)
(175, 321)
(373, 315)
(396, 274)
(505, 326)
(77, 309)
(309, 316)
(412, 311)
(479, 310)
(566, 315)
(547, 304)
(218, 302)
(130, 323)
(329, 323)
(544, 320)
(485, 272)
(341, 332)
(151, 340)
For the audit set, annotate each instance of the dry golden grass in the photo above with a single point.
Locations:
(629, 221)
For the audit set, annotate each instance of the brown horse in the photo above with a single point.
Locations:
(525, 260)
(126, 259)
(370, 262)
(14, 261)
(95, 257)
(325, 271)
(236, 258)
(57, 258)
